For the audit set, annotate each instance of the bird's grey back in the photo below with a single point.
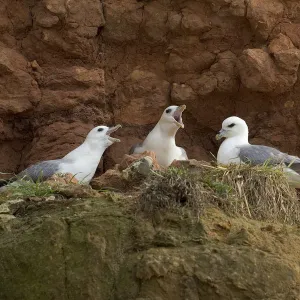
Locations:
(258, 154)
(42, 170)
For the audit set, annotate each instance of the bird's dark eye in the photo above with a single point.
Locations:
(168, 110)
(231, 125)
(100, 129)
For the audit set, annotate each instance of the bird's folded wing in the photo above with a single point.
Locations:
(258, 154)
(42, 170)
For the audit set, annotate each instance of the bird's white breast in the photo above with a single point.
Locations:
(164, 147)
(82, 163)
(83, 169)
(228, 152)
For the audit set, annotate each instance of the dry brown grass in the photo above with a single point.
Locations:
(174, 190)
(260, 193)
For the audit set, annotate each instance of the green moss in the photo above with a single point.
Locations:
(94, 249)
(64, 253)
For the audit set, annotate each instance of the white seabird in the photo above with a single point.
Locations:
(235, 149)
(82, 162)
(161, 139)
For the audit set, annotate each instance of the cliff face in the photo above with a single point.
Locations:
(66, 66)
(95, 249)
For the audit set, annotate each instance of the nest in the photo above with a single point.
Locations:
(173, 189)
(260, 192)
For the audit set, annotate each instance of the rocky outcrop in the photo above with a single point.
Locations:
(66, 66)
(131, 172)
(275, 71)
(97, 249)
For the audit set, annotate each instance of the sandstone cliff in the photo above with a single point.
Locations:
(66, 66)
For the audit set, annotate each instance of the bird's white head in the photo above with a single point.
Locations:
(233, 126)
(171, 118)
(100, 136)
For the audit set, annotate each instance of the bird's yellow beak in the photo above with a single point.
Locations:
(178, 115)
(111, 130)
(221, 134)
(181, 108)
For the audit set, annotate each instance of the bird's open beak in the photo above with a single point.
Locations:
(178, 116)
(111, 130)
(221, 134)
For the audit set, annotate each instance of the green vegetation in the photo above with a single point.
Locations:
(260, 193)
(26, 188)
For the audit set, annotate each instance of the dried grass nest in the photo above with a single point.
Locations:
(256, 192)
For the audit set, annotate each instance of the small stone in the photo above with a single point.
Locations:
(36, 199)
(144, 165)
(50, 198)
(4, 208)
(5, 218)
(129, 160)
(141, 167)
(35, 66)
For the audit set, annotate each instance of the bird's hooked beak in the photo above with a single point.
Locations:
(178, 116)
(222, 133)
(111, 130)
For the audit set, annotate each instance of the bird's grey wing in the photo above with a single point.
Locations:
(41, 171)
(183, 155)
(257, 154)
(134, 148)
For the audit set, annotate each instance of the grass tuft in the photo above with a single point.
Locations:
(260, 192)
(174, 189)
(26, 189)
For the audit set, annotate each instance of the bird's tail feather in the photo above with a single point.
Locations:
(295, 167)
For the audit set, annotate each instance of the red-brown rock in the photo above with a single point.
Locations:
(280, 43)
(130, 159)
(141, 99)
(263, 16)
(67, 178)
(66, 67)
(259, 72)
(111, 179)
(67, 88)
(19, 91)
(65, 28)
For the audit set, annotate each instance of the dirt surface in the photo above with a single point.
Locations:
(66, 66)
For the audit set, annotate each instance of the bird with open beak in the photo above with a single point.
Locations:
(161, 139)
(82, 162)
